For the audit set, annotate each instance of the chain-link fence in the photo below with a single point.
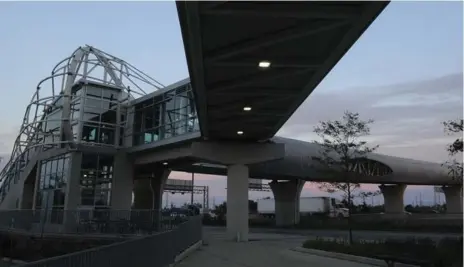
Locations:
(119, 222)
(156, 250)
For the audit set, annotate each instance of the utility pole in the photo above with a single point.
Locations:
(193, 185)
(207, 197)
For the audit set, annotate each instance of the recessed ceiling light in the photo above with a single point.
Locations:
(239, 132)
(246, 108)
(165, 163)
(264, 64)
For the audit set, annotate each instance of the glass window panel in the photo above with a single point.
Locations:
(123, 114)
(93, 91)
(92, 115)
(63, 180)
(54, 167)
(148, 138)
(42, 183)
(42, 169)
(92, 104)
(109, 116)
(87, 197)
(59, 197)
(89, 161)
(60, 163)
(88, 179)
(46, 181)
(47, 198)
(109, 94)
(102, 198)
(109, 105)
(53, 120)
(103, 177)
(49, 167)
(107, 135)
(156, 137)
(105, 160)
(137, 121)
(90, 132)
(148, 120)
(52, 181)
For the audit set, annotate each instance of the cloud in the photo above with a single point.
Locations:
(407, 115)
(7, 137)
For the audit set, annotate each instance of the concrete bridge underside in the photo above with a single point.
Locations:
(290, 160)
(293, 160)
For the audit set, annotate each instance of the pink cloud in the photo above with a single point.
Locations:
(197, 176)
(369, 187)
(310, 186)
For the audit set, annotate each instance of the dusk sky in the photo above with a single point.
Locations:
(405, 72)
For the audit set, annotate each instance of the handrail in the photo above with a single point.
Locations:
(157, 250)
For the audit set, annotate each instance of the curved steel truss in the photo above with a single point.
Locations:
(370, 167)
(85, 65)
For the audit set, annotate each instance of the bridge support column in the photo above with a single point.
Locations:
(453, 195)
(148, 191)
(287, 201)
(393, 198)
(73, 191)
(123, 183)
(148, 195)
(237, 156)
(237, 202)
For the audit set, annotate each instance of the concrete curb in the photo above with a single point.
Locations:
(184, 254)
(347, 257)
(5, 259)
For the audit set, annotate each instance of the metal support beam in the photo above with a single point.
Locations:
(280, 10)
(266, 75)
(297, 31)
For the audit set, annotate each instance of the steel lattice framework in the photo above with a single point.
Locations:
(370, 167)
(86, 64)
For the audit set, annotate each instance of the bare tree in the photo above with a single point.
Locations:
(341, 148)
(368, 194)
(455, 162)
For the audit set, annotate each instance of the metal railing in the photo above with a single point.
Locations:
(86, 222)
(157, 250)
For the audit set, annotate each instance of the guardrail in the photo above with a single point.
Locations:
(157, 250)
(85, 222)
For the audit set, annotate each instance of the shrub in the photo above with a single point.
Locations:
(445, 253)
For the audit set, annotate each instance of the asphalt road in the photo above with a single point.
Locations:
(364, 235)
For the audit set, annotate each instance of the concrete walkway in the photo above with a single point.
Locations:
(263, 250)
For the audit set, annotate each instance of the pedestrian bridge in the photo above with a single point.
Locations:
(149, 147)
(98, 129)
